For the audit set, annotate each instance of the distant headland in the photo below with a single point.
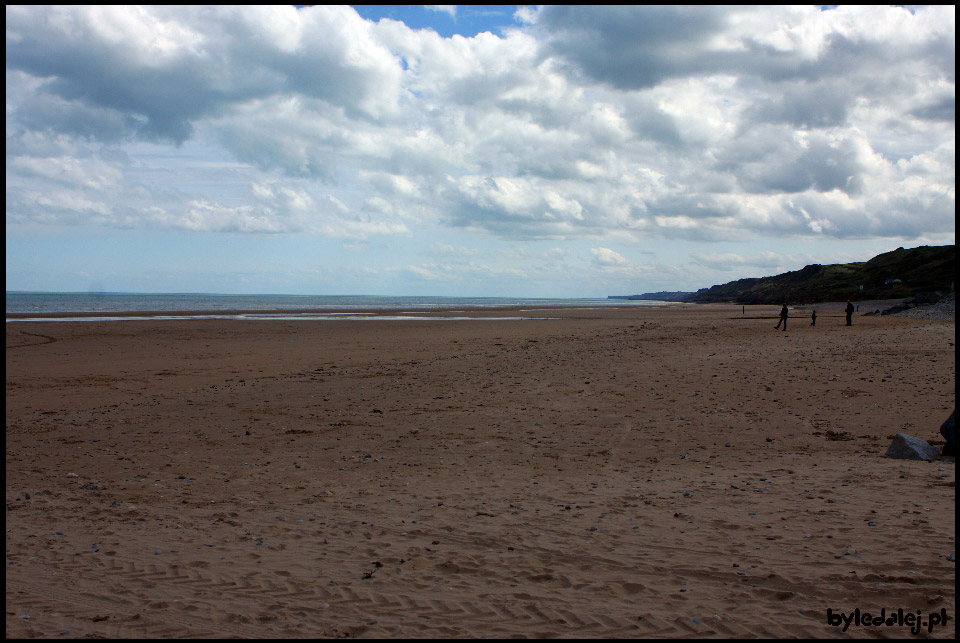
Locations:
(891, 275)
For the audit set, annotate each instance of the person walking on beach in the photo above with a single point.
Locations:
(849, 311)
(783, 318)
(813, 319)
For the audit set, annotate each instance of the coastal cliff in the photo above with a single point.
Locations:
(896, 274)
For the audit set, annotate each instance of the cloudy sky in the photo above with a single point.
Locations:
(571, 151)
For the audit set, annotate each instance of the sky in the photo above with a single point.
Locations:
(514, 151)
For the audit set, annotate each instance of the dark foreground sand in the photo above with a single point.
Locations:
(617, 472)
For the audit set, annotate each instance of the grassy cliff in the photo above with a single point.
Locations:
(891, 275)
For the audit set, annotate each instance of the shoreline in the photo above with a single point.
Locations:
(439, 311)
(479, 312)
(614, 472)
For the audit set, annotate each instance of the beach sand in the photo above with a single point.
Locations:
(611, 472)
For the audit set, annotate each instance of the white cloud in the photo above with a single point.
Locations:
(585, 124)
(449, 9)
(472, 273)
(447, 250)
(609, 261)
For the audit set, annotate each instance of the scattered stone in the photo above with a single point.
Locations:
(907, 447)
(930, 306)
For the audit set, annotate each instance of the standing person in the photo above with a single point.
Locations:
(813, 318)
(849, 311)
(783, 318)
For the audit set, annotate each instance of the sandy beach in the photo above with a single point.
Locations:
(684, 471)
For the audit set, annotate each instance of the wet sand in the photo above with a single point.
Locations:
(609, 472)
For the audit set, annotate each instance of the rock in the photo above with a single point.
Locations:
(893, 310)
(949, 432)
(907, 447)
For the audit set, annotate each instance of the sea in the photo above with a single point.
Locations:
(280, 306)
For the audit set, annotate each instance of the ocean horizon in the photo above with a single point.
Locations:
(40, 302)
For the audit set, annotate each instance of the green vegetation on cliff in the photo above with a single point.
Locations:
(891, 275)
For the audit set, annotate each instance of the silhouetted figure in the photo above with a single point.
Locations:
(849, 311)
(783, 318)
(813, 319)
